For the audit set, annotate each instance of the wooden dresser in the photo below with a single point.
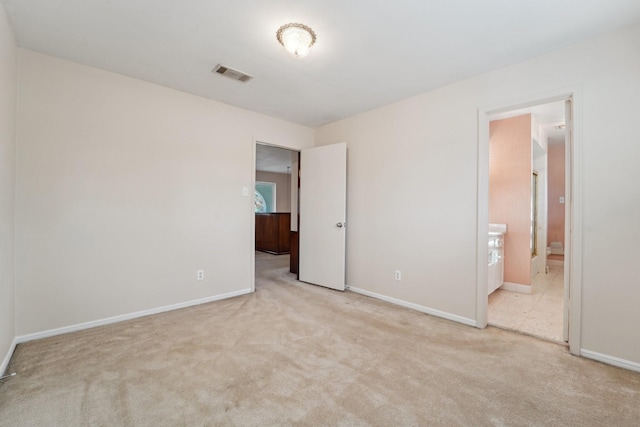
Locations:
(272, 232)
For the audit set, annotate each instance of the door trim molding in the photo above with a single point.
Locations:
(574, 229)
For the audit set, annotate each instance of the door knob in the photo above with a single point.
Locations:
(339, 225)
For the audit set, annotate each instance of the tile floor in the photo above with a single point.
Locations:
(539, 314)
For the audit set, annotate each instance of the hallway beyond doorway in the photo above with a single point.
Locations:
(272, 267)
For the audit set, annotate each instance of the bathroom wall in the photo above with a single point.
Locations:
(510, 192)
(556, 190)
(283, 195)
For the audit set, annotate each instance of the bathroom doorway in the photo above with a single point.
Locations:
(543, 299)
(530, 299)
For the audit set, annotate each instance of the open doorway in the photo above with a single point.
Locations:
(569, 274)
(318, 202)
(526, 292)
(276, 214)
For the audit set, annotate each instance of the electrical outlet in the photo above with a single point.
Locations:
(200, 274)
(398, 275)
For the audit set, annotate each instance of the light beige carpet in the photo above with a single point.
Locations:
(296, 354)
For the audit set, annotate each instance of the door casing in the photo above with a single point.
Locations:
(251, 203)
(573, 227)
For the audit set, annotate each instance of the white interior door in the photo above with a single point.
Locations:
(568, 144)
(323, 209)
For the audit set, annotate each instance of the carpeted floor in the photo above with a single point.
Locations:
(297, 354)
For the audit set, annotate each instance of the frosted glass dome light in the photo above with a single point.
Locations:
(297, 39)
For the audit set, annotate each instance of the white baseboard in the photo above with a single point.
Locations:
(7, 358)
(517, 287)
(610, 360)
(73, 328)
(421, 308)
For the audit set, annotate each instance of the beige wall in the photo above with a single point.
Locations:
(125, 189)
(8, 62)
(510, 192)
(556, 189)
(283, 190)
(412, 187)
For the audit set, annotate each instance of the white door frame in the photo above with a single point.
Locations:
(573, 229)
(254, 147)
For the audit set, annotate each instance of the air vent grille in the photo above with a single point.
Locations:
(231, 73)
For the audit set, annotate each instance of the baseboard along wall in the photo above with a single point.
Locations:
(7, 358)
(610, 360)
(417, 307)
(95, 323)
(600, 357)
(517, 287)
(604, 358)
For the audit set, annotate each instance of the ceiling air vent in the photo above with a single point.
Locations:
(232, 74)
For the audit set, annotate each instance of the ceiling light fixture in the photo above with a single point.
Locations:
(297, 39)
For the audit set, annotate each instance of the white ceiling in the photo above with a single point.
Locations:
(368, 54)
(273, 159)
